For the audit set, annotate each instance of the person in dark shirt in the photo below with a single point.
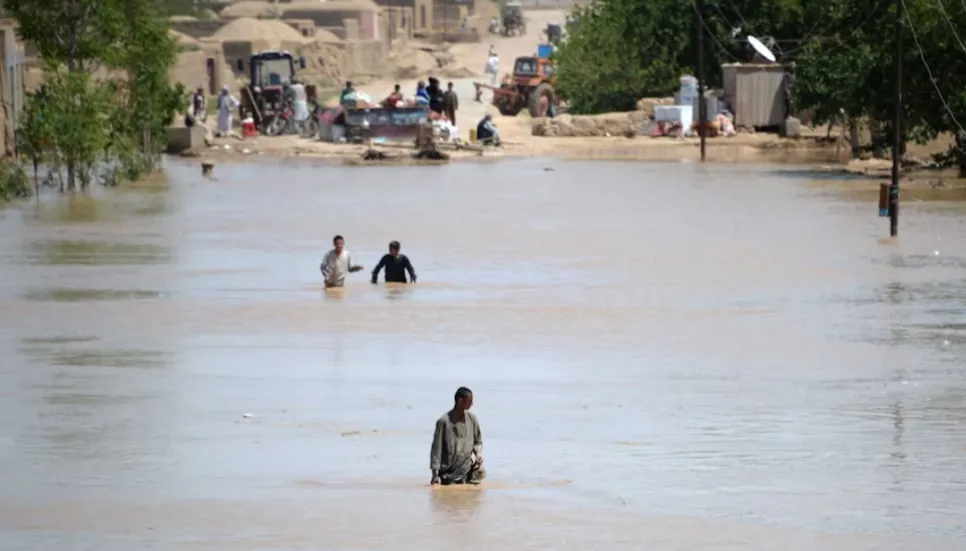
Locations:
(435, 95)
(451, 103)
(396, 266)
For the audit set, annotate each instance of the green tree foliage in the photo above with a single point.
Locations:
(622, 50)
(852, 68)
(106, 99)
(619, 51)
(842, 52)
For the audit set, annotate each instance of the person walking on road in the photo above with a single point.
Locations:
(451, 103)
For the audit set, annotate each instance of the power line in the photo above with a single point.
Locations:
(925, 64)
(711, 33)
(950, 23)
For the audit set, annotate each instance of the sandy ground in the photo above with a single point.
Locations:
(516, 131)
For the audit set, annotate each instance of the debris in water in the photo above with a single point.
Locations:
(946, 343)
(373, 155)
(247, 416)
(935, 253)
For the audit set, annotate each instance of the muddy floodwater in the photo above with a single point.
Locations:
(663, 356)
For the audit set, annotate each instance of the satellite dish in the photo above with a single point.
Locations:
(762, 50)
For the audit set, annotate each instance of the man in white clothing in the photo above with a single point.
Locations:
(337, 263)
(226, 105)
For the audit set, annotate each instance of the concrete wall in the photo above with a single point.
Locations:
(12, 76)
(181, 139)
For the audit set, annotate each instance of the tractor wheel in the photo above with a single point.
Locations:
(275, 126)
(309, 128)
(509, 108)
(541, 98)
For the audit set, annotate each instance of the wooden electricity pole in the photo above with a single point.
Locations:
(702, 115)
(896, 126)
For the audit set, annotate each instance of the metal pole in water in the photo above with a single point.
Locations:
(702, 108)
(896, 126)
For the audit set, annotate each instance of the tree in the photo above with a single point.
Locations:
(106, 101)
(622, 50)
(853, 68)
(618, 52)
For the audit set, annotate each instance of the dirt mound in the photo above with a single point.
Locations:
(324, 63)
(245, 29)
(590, 126)
(457, 72)
(322, 35)
(411, 64)
(648, 104)
(181, 38)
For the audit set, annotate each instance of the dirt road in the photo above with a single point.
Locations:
(473, 56)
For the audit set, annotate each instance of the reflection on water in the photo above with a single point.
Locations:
(662, 355)
(66, 252)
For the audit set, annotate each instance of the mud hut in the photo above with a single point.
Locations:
(249, 8)
(358, 18)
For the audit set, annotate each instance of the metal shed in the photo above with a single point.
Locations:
(756, 93)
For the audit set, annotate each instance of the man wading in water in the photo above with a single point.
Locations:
(396, 266)
(457, 453)
(337, 263)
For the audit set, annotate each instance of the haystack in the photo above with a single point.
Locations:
(246, 29)
(182, 38)
(322, 35)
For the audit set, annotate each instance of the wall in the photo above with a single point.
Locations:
(191, 69)
(755, 93)
(305, 27)
(366, 58)
(424, 13)
(367, 21)
(12, 74)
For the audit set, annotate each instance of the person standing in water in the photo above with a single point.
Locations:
(456, 456)
(396, 266)
(337, 263)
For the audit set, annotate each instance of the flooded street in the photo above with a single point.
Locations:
(663, 356)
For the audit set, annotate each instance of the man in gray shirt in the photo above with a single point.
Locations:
(457, 453)
(337, 263)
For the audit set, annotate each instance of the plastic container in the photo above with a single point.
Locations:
(544, 50)
(248, 129)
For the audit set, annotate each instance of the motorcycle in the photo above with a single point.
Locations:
(284, 123)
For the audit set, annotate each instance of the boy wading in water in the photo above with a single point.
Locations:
(396, 266)
(336, 264)
(457, 453)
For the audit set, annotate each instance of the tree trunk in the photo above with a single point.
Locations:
(960, 153)
(854, 138)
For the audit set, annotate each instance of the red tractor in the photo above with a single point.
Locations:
(530, 87)
(262, 97)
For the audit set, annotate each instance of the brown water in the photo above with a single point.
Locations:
(664, 356)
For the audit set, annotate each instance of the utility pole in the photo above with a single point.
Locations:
(896, 126)
(702, 107)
